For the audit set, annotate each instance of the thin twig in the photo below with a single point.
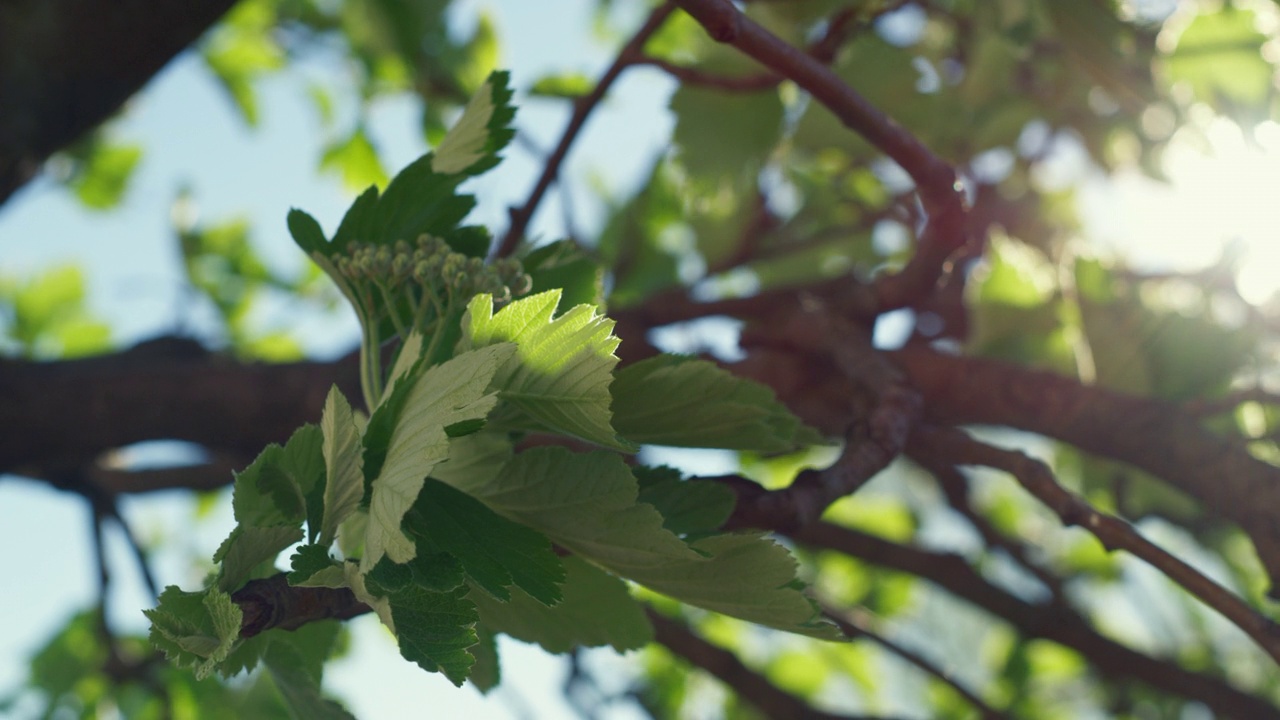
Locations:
(748, 684)
(955, 486)
(629, 55)
(1052, 621)
(1114, 533)
(935, 179)
(858, 623)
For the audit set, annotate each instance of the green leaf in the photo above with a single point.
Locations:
(435, 629)
(422, 198)
(247, 548)
(688, 507)
(195, 630)
(310, 561)
(560, 374)
(242, 49)
(587, 503)
(1219, 55)
(713, 149)
(264, 496)
(564, 265)
(494, 551)
(486, 673)
(296, 661)
(441, 396)
(439, 572)
(49, 315)
(472, 144)
(355, 160)
(103, 179)
(746, 576)
(565, 85)
(306, 231)
(343, 460)
(672, 400)
(597, 610)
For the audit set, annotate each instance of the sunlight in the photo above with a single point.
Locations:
(1223, 196)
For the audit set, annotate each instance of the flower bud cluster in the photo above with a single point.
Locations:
(430, 264)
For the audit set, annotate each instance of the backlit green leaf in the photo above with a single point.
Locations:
(597, 610)
(672, 400)
(494, 551)
(560, 374)
(435, 629)
(343, 459)
(441, 396)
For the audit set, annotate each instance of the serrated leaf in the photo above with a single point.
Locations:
(247, 548)
(278, 487)
(296, 662)
(480, 132)
(435, 629)
(597, 610)
(587, 503)
(688, 507)
(494, 551)
(560, 374)
(747, 576)
(441, 396)
(686, 402)
(486, 673)
(343, 460)
(195, 630)
(437, 572)
(381, 605)
(308, 561)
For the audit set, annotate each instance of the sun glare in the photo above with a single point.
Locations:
(1223, 194)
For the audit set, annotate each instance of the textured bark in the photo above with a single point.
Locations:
(1149, 434)
(58, 413)
(68, 65)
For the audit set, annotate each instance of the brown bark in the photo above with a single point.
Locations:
(66, 66)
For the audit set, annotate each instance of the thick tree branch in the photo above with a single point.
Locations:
(1153, 435)
(163, 389)
(68, 65)
(273, 603)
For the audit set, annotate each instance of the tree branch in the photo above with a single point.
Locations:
(857, 624)
(746, 683)
(68, 65)
(1036, 477)
(1052, 621)
(163, 389)
(629, 55)
(935, 179)
(1150, 434)
(273, 603)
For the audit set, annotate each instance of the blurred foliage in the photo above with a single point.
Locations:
(223, 267)
(47, 316)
